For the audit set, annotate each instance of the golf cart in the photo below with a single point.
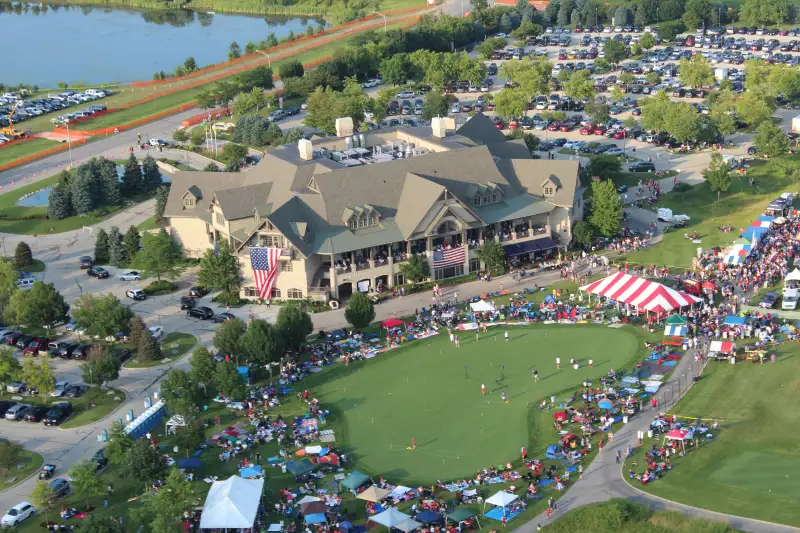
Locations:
(47, 471)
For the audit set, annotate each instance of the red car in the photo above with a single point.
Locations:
(466, 108)
(567, 126)
(622, 134)
(587, 130)
(489, 106)
(553, 126)
(562, 57)
(599, 130)
(513, 124)
(498, 122)
(34, 346)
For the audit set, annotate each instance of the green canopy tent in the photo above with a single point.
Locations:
(676, 320)
(462, 514)
(301, 468)
(354, 480)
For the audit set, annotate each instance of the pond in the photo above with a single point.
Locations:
(97, 44)
(41, 198)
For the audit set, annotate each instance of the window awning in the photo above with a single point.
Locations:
(545, 243)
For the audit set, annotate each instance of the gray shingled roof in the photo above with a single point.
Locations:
(480, 130)
(241, 202)
(204, 183)
(531, 174)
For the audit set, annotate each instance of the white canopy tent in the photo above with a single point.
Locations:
(481, 306)
(390, 518)
(408, 525)
(175, 422)
(502, 498)
(308, 499)
(232, 504)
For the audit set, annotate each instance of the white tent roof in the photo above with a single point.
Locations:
(308, 499)
(481, 306)
(232, 504)
(390, 518)
(502, 498)
(794, 275)
(408, 525)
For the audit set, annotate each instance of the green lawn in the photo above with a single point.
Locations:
(33, 268)
(148, 224)
(174, 346)
(95, 405)
(24, 148)
(434, 395)
(28, 463)
(737, 208)
(750, 467)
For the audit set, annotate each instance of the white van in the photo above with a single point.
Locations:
(25, 283)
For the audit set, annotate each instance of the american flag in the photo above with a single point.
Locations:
(446, 258)
(265, 269)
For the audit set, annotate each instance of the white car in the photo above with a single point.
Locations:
(574, 145)
(369, 115)
(156, 331)
(17, 514)
(136, 294)
(790, 303)
(60, 388)
(405, 94)
(158, 142)
(369, 84)
(130, 276)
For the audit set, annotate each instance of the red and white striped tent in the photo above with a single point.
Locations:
(641, 294)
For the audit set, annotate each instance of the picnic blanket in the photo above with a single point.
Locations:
(455, 487)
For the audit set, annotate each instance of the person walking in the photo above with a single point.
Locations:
(558, 363)
(506, 335)
(619, 456)
(580, 471)
(413, 443)
(483, 389)
(535, 376)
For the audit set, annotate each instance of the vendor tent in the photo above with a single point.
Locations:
(308, 499)
(373, 494)
(174, 422)
(481, 306)
(316, 518)
(675, 331)
(408, 525)
(681, 435)
(794, 275)
(676, 320)
(461, 514)
(392, 323)
(301, 467)
(390, 518)
(232, 504)
(313, 508)
(642, 294)
(355, 480)
(733, 320)
(722, 347)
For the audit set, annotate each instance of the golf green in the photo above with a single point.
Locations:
(431, 391)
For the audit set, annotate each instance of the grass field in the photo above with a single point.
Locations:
(24, 148)
(29, 462)
(738, 208)
(434, 395)
(750, 467)
(173, 346)
(35, 267)
(93, 406)
(148, 224)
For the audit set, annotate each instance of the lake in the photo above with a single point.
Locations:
(103, 45)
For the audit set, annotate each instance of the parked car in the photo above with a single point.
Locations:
(17, 412)
(157, 332)
(59, 487)
(276, 115)
(769, 300)
(5, 406)
(36, 346)
(16, 387)
(136, 294)
(75, 391)
(66, 349)
(98, 272)
(123, 354)
(130, 276)
(17, 514)
(789, 304)
(86, 262)
(60, 388)
(57, 414)
(36, 413)
(202, 312)
(82, 351)
(187, 302)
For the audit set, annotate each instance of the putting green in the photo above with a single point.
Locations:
(431, 391)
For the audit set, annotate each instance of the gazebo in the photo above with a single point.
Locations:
(373, 494)
(502, 500)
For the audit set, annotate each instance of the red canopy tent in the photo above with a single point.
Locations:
(392, 323)
(640, 293)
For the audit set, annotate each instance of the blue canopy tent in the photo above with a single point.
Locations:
(428, 517)
(675, 331)
(189, 463)
(754, 232)
(316, 518)
(606, 404)
(251, 472)
(244, 373)
(552, 452)
(733, 320)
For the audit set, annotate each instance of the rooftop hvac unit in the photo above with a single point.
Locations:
(348, 143)
(362, 142)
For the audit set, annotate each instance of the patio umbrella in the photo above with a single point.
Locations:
(373, 494)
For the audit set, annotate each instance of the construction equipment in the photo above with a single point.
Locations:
(11, 132)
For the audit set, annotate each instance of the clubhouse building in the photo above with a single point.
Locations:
(341, 214)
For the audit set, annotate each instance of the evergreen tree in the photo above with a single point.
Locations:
(151, 175)
(162, 193)
(59, 204)
(132, 178)
(138, 328)
(23, 256)
(82, 192)
(101, 248)
(109, 183)
(360, 311)
(116, 251)
(131, 243)
(148, 349)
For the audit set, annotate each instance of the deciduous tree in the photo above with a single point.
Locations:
(771, 140)
(616, 52)
(10, 454)
(101, 316)
(203, 367)
(119, 442)
(38, 307)
(228, 337)
(84, 481)
(295, 326)
(360, 311)
(718, 174)
(606, 208)
(696, 71)
(219, 270)
(23, 257)
(263, 342)
(160, 256)
(511, 102)
(227, 381)
(143, 463)
(492, 255)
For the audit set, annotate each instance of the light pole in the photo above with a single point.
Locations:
(268, 58)
(69, 145)
(384, 16)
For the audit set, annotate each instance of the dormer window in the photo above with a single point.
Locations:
(361, 217)
(476, 202)
(189, 202)
(373, 220)
(549, 191)
(353, 224)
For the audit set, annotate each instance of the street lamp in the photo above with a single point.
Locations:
(69, 145)
(269, 60)
(384, 16)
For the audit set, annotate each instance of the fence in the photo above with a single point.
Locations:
(38, 155)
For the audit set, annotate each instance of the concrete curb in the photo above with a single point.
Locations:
(124, 401)
(27, 478)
